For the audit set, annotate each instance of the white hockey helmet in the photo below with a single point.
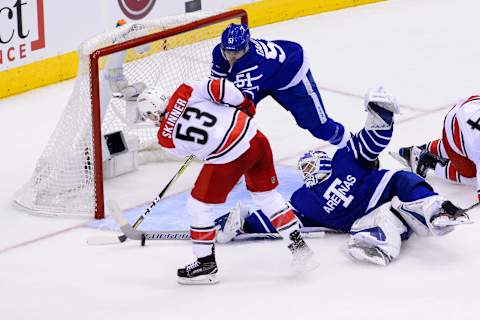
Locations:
(315, 166)
(152, 103)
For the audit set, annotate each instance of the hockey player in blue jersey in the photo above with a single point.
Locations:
(346, 193)
(279, 69)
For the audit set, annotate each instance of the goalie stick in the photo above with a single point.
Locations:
(114, 206)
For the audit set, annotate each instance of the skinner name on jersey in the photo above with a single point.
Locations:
(336, 193)
(172, 117)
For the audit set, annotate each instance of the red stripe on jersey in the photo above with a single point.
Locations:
(283, 219)
(457, 135)
(472, 98)
(176, 105)
(207, 235)
(433, 147)
(235, 132)
(452, 172)
(215, 89)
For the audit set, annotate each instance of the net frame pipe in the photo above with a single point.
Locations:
(95, 87)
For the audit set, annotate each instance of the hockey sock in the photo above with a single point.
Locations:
(436, 147)
(285, 221)
(202, 240)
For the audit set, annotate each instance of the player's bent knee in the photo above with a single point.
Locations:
(200, 213)
(269, 201)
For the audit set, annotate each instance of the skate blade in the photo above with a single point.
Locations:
(358, 255)
(398, 157)
(200, 280)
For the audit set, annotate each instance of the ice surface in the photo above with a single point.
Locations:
(424, 51)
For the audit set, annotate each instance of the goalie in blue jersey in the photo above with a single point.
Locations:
(346, 193)
(280, 69)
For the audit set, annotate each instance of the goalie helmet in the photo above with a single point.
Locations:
(152, 103)
(315, 166)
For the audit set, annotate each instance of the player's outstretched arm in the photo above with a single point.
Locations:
(369, 142)
(224, 92)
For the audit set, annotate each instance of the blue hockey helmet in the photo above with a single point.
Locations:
(315, 166)
(235, 37)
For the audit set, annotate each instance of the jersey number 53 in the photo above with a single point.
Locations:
(192, 133)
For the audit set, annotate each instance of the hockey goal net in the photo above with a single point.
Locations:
(69, 175)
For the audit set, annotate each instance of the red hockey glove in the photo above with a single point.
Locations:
(247, 106)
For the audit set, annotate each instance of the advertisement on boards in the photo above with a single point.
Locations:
(32, 30)
(22, 31)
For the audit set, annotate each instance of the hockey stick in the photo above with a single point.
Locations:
(114, 207)
(476, 204)
(131, 233)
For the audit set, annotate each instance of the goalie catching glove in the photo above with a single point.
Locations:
(380, 107)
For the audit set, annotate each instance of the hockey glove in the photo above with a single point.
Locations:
(247, 106)
(380, 107)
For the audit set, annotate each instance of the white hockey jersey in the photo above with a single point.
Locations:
(462, 130)
(201, 119)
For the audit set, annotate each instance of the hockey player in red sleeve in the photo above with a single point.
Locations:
(212, 120)
(456, 156)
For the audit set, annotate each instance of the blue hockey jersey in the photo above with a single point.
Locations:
(352, 190)
(267, 66)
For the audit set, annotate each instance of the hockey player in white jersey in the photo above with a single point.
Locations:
(456, 156)
(347, 194)
(212, 120)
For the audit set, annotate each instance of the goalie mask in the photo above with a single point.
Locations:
(152, 103)
(235, 42)
(315, 166)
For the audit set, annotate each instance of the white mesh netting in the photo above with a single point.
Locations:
(63, 179)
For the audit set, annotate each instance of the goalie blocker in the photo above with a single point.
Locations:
(119, 154)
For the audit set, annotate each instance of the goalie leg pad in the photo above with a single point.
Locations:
(231, 224)
(376, 237)
(420, 215)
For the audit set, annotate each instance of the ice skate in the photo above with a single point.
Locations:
(418, 160)
(303, 257)
(202, 271)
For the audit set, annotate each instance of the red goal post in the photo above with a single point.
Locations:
(69, 176)
(95, 91)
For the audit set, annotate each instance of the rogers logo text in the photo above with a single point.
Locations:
(136, 9)
(16, 35)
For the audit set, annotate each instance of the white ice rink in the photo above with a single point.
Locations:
(425, 52)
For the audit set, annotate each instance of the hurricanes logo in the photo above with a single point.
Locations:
(136, 9)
